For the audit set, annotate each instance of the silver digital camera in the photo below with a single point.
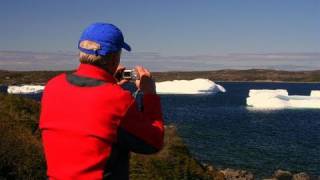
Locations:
(130, 74)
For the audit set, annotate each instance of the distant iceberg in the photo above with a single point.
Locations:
(315, 93)
(196, 86)
(25, 89)
(279, 98)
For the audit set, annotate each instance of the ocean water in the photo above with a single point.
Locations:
(220, 130)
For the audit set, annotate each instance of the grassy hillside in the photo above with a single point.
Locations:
(21, 154)
(20, 149)
(27, 77)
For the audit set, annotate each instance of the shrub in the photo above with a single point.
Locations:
(20, 148)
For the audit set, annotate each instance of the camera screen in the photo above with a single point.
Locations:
(127, 74)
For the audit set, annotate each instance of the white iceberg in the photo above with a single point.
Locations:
(268, 92)
(25, 89)
(315, 93)
(196, 86)
(279, 98)
(304, 102)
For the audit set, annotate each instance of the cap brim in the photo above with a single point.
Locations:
(126, 46)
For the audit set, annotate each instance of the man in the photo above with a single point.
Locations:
(89, 124)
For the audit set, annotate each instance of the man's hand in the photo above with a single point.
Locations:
(117, 75)
(145, 83)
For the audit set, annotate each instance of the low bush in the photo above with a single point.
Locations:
(21, 154)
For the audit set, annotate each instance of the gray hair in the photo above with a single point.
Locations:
(91, 58)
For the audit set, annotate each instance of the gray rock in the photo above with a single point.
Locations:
(301, 176)
(232, 174)
(282, 175)
(210, 168)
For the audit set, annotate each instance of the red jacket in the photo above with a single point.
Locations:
(89, 124)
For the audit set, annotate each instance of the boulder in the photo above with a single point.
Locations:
(232, 174)
(282, 175)
(301, 176)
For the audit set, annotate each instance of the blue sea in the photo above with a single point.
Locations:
(220, 130)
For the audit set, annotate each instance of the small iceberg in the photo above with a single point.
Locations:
(196, 86)
(315, 93)
(25, 89)
(279, 99)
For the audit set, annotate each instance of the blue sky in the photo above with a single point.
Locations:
(169, 28)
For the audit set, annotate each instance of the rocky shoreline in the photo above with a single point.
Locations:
(236, 174)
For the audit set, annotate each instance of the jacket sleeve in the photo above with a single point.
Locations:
(143, 131)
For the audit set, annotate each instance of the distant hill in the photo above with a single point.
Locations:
(40, 77)
(244, 75)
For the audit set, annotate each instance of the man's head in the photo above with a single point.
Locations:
(100, 44)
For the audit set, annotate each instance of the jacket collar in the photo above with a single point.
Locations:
(92, 71)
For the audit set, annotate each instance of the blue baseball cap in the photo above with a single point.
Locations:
(108, 36)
